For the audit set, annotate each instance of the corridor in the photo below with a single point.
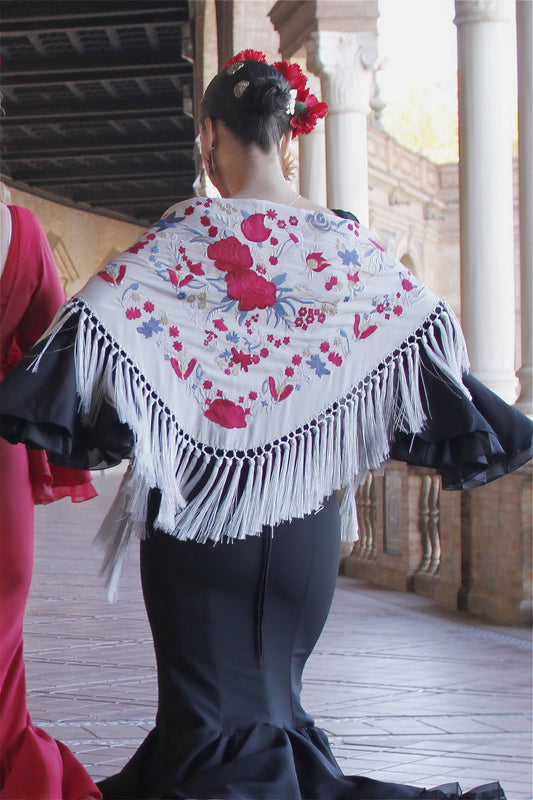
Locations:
(406, 692)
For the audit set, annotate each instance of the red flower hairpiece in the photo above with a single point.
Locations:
(305, 109)
(246, 55)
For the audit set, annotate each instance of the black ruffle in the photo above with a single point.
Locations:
(263, 762)
(41, 409)
(469, 442)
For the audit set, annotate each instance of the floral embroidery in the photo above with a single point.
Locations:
(316, 262)
(226, 275)
(113, 274)
(253, 227)
(226, 413)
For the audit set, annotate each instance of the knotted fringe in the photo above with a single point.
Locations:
(231, 496)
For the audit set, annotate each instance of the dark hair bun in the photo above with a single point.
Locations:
(252, 99)
(267, 96)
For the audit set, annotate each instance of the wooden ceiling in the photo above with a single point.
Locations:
(98, 101)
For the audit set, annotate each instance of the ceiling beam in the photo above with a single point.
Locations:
(91, 15)
(46, 74)
(101, 175)
(45, 115)
(134, 200)
(70, 150)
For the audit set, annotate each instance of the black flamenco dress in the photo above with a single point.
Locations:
(234, 623)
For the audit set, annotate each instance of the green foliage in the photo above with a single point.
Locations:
(425, 121)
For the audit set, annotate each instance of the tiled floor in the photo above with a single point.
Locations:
(406, 692)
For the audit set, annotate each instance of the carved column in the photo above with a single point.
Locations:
(344, 62)
(524, 28)
(313, 164)
(486, 191)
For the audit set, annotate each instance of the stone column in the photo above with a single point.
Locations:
(344, 62)
(524, 28)
(312, 148)
(486, 191)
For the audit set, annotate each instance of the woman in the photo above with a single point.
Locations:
(32, 764)
(254, 353)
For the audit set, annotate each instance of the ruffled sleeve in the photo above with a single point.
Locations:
(41, 409)
(470, 442)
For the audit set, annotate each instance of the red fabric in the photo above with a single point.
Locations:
(32, 763)
(31, 293)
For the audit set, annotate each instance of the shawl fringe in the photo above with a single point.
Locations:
(222, 495)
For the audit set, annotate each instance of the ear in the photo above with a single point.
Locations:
(211, 133)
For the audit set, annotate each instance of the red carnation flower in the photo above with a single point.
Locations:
(306, 117)
(294, 76)
(246, 55)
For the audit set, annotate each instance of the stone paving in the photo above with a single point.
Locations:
(406, 692)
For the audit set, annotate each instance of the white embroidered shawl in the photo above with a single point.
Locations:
(283, 346)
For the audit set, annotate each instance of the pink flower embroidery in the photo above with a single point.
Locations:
(226, 413)
(398, 310)
(407, 285)
(363, 331)
(219, 324)
(230, 255)
(174, 331)
(208, 385)
(133, 313)
(276, 394)
(110, 275)
(251, 290)
(148, 306)
(184, 374)
(254, 228)
(316, 262)
(244, 360)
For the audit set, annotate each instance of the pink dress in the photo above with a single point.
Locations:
(33, 766)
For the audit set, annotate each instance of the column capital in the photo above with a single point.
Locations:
(344, 62)
(483, 11)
